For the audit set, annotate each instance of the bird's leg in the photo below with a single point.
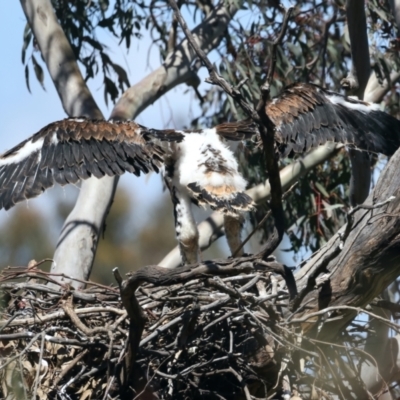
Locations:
(233, 227)
(186, 228)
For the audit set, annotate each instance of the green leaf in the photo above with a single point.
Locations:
(26, 41)
(27, 78)
(38, 72)
(94, 43)
(122, 75)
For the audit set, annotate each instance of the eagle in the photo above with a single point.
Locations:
(197, 165)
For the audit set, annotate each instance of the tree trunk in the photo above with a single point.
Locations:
(359, 269)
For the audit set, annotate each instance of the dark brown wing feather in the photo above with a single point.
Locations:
(238, 130)
(307, 116)
(73, 149)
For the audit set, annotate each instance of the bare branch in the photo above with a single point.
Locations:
(356, 83)
(360, 70)
(266, 127)
(277, 42)
(267, 133)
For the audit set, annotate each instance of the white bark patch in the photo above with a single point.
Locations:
(24, 152)
(356, 105)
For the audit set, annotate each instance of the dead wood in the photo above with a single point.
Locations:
(239, 327)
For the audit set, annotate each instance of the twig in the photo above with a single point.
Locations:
(267, 133)
(61, 314)
(393, 325)
(266, 216)
(214, 78)
(276, 43)
(39, 366)
(69, 310)
(240, 379)
(69, 366)
(172, 323)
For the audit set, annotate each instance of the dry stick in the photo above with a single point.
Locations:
(266, 216)
(21, 371)
(23, 351)
(214, 78)
(267, 132)
(392, 325)
(39, 366)
(69, 310)
(241, 381)
(22, 272)
(60, 314)
(149, 381)
(136, 326)
(69, 366)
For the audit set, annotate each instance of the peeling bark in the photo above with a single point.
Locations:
(356, 83)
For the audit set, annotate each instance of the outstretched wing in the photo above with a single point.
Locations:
(307, 116)
(77, 148)
(209, 171)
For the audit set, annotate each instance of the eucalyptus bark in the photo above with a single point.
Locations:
(366, 263)
(356, 81)
(80, 234)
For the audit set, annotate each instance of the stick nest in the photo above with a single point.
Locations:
(209, 337)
